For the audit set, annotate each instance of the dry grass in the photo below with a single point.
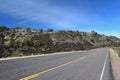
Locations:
(117, 50)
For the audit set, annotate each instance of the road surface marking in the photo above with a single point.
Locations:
(48, 70)
(102, 73)
(39, 73)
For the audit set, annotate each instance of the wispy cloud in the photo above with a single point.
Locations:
(84, 15)
(43, 11)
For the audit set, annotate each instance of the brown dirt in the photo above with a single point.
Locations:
(115, 62)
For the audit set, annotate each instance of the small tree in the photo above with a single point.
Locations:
(93, 32)
(18, 27)
(92, 40)
(28, 30)
(41, 30)
(50, 30)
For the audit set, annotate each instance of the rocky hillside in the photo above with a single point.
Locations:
(19, 42)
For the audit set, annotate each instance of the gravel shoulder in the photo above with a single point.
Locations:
(115, 62)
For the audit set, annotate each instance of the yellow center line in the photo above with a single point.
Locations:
(48, 70)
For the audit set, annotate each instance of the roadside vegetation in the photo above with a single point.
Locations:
(19, 42)
(117, 50)
(16, 53)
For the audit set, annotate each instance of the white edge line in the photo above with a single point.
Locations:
(102, 73)
(31, 56)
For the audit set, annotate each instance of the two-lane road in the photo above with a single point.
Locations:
(86, 65)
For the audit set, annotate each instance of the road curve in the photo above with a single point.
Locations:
(86, 65)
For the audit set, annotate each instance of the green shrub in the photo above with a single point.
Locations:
(7, 44)
(38, 43)
(41, 30)
(16, 53)
(50, 30)
(119, 52)
(28, 30)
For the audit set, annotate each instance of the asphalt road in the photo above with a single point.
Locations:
(87, 65)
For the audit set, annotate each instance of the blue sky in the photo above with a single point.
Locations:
(83, 15)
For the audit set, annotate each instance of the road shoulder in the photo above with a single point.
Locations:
(57, 53)
(115, 62)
